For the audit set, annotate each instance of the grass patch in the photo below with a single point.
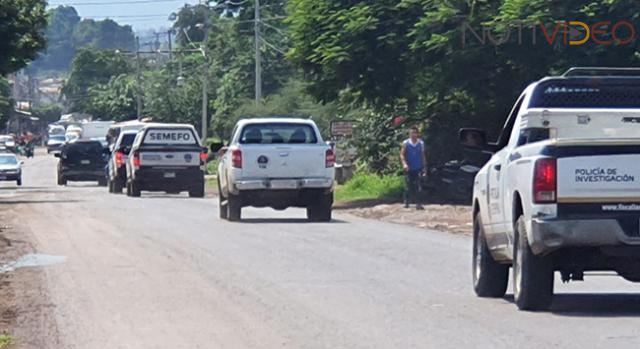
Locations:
(369, 187)
(5, 340)
(212, 166)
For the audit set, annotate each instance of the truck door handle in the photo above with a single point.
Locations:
(497, 167)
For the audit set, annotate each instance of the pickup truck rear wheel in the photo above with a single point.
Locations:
(490, 278)
(197, 193)
(532, 274)
(320, 210)
(61, 180)
(234, 208)
(134, 190)
(116, 187)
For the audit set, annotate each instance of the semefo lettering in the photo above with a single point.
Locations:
(170, 136)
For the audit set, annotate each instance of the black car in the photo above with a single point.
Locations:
(82, 160)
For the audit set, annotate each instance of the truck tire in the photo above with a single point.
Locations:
(110, 186)
(222, 204)
(134, 189)
(102, 182)
(234, 208)
(532, 275)
(321, 209)
(197, 193)
(116, 187)
(490, 278)
(19, 181)
(61, 180)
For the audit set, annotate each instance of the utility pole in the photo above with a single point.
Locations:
(205, 74)
(258, 55)
(170, 50)
(138, 79)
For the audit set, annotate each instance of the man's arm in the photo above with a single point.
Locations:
(424, 157)
(403, 150)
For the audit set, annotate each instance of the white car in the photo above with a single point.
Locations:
(278, 163)
(562, 189)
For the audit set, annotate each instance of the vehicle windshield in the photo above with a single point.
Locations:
(278, 133)
(57, 138)
(8, 160)
(6, 138)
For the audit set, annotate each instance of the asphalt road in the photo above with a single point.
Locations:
(162, 271)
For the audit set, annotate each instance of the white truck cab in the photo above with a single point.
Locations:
(278, 163)
(561, 191)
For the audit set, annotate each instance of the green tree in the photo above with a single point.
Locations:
(22, 24)
(115, 100)
(48, 112)
(61, 48)
(6, 103)
(91, 68)
(105, 34)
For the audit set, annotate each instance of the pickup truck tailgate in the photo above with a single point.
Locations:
(283, 161)
(600, 178)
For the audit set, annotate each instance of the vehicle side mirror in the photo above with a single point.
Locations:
(205, 150)
(21, 162)
(57, 155)
(215, 147)
(475, 139)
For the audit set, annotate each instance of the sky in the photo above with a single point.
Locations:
(142, 15)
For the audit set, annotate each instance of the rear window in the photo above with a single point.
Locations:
(587, 93)
(170, 136)
(83, 150)
(276, 133)
(127, 140)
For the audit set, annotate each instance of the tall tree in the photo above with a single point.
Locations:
(22, 24)
(91, 68)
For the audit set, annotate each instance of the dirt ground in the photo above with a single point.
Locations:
(25, 312)
(446, 218)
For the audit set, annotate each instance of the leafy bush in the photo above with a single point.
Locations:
(365, 186)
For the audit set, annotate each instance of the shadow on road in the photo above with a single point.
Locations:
(17, 202)
(285, 220)
(594, 305)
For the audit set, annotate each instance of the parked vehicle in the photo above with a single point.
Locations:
(117, 169)
(96, 130)
(452, 180)
(7, 141)
(168, 158)
(276, 163)
(82, 160)
(55, 143)
(561, 191)
(10, 168)
(115, 129)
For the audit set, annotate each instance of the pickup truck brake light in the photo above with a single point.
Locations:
(136, 160)
(203, 158)
(236, 158)
(330, 158)
(545, 179)
(119, 159)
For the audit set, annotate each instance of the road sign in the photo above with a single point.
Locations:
(342, 127)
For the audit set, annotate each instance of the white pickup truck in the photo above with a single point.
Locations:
(562, 189)
(278, 163)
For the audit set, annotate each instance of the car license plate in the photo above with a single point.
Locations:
(284, 184)
(85, 162)
(169, 175)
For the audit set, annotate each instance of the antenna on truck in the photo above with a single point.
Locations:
(601, 71)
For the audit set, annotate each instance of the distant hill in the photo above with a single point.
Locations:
(67, 32)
